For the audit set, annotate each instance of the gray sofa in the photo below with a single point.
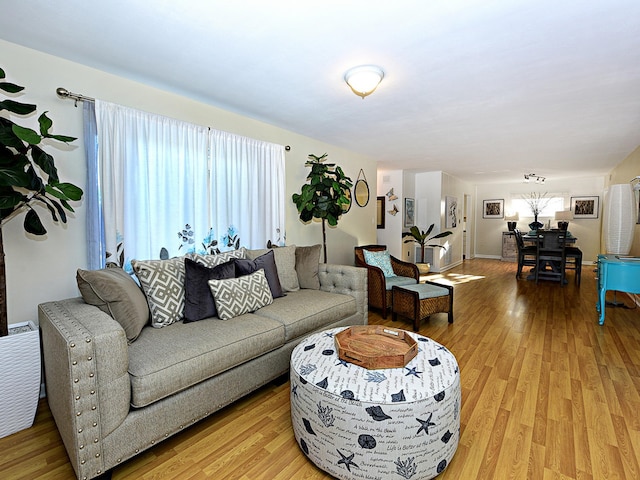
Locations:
(112, 399)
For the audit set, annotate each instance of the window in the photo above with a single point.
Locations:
(550, 204)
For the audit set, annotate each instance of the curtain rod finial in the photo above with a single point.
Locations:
(62, 92)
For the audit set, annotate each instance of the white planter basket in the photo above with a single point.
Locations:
(19, 378)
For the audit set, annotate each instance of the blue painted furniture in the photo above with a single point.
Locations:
(616, 272)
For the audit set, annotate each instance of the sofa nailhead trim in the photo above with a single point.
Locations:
(72, 345)
(81, 447)
(78, 414)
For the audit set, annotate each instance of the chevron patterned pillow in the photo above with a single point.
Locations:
(236, 296)
(163, 285)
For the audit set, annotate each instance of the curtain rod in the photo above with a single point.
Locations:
(64, 93)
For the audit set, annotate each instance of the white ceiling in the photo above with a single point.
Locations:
(485, 90)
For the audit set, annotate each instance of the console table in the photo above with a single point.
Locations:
(616, 272)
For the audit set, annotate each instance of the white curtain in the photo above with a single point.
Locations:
(247, 179)
(169, 187)
(154, 184)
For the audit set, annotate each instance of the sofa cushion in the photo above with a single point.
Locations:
(306, 310)
(267, 262)
(307, 264)
(286, 262)
(167, 360)
(381, 259)
(240, 295)
(114, 292)
(198, 300)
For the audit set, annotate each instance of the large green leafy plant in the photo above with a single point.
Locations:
(325, 196)
(28, 177)
(421, 238)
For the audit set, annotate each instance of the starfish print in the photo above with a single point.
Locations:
(294, 390)
(348, 461)
(412, 371)
(425, 424)
(328, 334)
(343, 363)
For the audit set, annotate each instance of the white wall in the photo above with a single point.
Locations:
(488, 233)
(43, 268)
(391, 235)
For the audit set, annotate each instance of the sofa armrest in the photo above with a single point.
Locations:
(348, 280)
(88, 390)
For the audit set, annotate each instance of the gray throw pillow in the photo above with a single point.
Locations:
(114, 292)
(307, 265)
(285, 258)
(218, 258)
(240, 295)
(163, 284)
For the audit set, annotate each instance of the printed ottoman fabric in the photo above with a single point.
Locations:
(356, 423)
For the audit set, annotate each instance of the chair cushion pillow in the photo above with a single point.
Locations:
(244, 266)
(307, 265)
(381, 259)
(114, 292)
(240, 295)
(198, 300)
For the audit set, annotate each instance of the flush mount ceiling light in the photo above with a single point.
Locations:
(364, 79)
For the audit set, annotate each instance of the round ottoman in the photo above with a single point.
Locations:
(356, 423)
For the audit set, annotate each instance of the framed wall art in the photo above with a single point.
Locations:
(380, 212)
(493, 208)
(451, 212)
(409, 213)
(585, 207)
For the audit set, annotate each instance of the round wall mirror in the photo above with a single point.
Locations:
(361, 191)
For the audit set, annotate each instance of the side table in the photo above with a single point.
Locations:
(356, 423)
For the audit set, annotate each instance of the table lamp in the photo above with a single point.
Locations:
(563, 217)
(512, 221)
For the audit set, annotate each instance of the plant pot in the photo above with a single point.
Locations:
(423, 268)
(19, 377)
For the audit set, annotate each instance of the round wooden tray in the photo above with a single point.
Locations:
(376, 346)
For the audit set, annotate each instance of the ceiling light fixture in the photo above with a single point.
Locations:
(536, 178)
(364, 79)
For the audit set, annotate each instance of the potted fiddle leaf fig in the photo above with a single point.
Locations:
(421, 238)
(325, 196)
(28, 179)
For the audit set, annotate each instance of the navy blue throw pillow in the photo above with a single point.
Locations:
(244, 266)
(199, 302)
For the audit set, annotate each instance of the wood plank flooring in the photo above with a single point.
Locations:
(547, 393)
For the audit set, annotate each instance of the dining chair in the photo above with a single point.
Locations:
(574, 262)
(526, 253)
(551, 256)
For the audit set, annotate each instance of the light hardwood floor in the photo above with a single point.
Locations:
(547, 393)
